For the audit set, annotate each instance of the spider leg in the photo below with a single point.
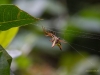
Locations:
(63, 41)
(54, 43)
(60, 47)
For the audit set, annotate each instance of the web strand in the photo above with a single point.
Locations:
(85, 47)
(75, 35)
(49, 28)
(79, 53)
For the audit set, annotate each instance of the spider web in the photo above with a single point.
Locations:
(84, 35)
(91, 36)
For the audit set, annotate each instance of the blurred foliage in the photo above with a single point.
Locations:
(71, 32)
(22, 65)
(67, 60)
(91, 12)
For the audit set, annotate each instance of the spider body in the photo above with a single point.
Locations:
(54, 39)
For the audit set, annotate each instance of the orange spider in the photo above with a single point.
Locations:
(54, 39)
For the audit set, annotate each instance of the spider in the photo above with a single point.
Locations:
(56, 41)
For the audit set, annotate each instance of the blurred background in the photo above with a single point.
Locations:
(76, 21)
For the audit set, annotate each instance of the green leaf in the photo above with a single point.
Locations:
(7, 36)
(5, 1)
(12, 16)
(5, 62)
